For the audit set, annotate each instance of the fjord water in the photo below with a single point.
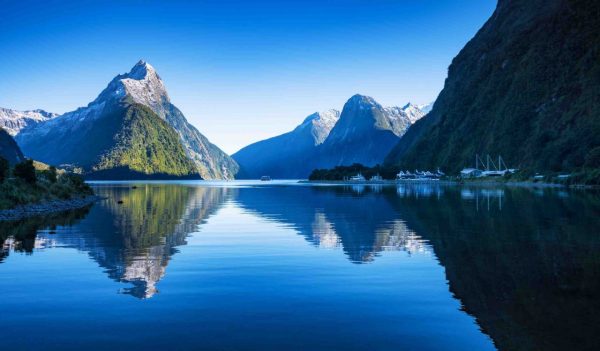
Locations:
(282, 266)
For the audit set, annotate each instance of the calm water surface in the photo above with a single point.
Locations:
(281, 266)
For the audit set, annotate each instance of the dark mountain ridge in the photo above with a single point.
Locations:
(9, 150)
(526, 87)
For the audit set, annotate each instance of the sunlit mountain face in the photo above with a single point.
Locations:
(521, 265)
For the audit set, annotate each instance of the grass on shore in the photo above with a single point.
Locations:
(15, 192)
(584, 177)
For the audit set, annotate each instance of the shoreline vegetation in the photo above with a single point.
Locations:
(583, 178)
(31, 188)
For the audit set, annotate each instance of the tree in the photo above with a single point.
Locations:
(51, 175)
(25, 171)
(4, 168)
(592, 159)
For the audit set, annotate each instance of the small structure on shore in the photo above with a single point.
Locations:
(376, 178)
(357, 178)
(490, 168)
(265, 178)
(470, 173)
(419, 175)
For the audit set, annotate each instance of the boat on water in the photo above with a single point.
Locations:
(265, 178)
(419, 175)
(376, 178)
(358, 178)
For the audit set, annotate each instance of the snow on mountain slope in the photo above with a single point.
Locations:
(287, 155)
(144, 86)
(426, 108)
(365, 133)
(413, 112)
(14, 121)
(320, 124)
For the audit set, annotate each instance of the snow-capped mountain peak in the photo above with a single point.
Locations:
(141, 70)
(426, 108)
(320, 124)
(413, 112)
(363, 102)
(144, 85)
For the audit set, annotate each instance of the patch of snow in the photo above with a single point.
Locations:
(14, 121)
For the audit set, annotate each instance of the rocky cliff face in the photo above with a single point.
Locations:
(9, 150)
(526, 87)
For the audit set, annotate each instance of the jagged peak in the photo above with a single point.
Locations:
(142, 84)
(410, 105)
(362, 102)
(328, 115)
(141, 70)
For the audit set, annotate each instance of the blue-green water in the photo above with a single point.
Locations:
(282, 266)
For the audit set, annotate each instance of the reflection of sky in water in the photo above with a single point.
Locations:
(360, 265)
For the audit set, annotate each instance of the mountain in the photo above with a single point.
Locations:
(365, 133)
(425, 108)
(9, 150)
(13, 121)
(91, 137)
(526, 87)
(415, 112)
(283, 156)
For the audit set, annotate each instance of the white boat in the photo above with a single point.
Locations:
(419, 176)
(265, 178)
(376, 178)
(405, 175)
(357, 178)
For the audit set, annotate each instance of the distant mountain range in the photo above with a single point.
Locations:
(131, 130)
(526, 87)
(364, 132)
(13, 121)
(287, 155)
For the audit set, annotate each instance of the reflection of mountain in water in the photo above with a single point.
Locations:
(21, 236)
(145, 230)
(359, 219)
(133, 241)
(524, 263)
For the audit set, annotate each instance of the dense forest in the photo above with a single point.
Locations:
(526, 87)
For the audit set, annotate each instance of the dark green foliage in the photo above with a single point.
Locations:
(4, 169)
(15, 192)
(344, 172)
(527, 87)
(50, 174)
(145, 144)
(127, 141)
(584, 177)
(76, 183)
(592, 159)
(25, 171)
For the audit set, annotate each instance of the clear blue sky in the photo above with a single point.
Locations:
(240, 71)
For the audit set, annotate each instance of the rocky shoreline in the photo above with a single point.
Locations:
(48, 207)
